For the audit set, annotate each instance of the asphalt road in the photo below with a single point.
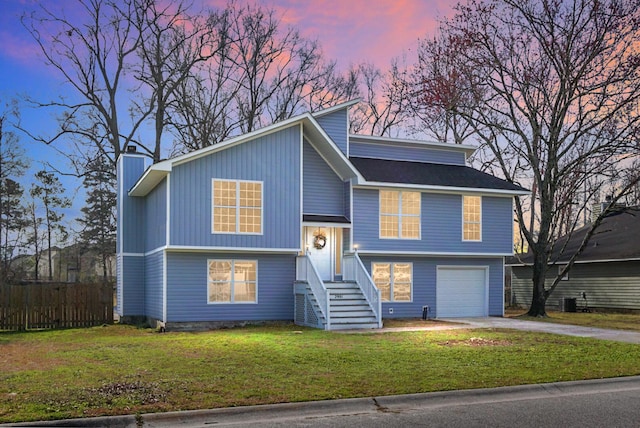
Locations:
(598, 403)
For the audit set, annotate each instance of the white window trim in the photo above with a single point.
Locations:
(463, 222)
(391, 282)
(565, 277)
(237, 207)
(399, 215)
(232, 302)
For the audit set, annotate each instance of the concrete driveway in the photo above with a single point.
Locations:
(546, 327)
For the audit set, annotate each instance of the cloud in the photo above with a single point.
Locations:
(19, 48)
(360, 30)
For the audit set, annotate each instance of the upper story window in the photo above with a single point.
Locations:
(232, 281)
(399, 214)
(237, 206)
(471, 218)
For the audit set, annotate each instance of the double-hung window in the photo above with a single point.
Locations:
(471, 218)
(394, 280)
(399, 214)
(232, 281)
(237, 206)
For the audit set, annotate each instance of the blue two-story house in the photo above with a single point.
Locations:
(302, 221)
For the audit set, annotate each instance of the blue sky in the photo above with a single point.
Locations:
(349, 31)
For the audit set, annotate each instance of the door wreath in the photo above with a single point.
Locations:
(319, 239)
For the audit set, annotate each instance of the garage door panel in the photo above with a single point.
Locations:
(461, 292)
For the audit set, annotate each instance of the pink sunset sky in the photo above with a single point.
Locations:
(349, 31)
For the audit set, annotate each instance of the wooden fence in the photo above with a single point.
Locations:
(38, 306)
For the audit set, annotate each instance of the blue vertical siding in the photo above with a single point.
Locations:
(273, 159)
(153, 289)
(424, 283)
(323, 190)
(497, 223)
(187, 289)
(347, 199)
(441, 225)
(156, 217)
(130, 209)
(398, 151)
(133, 285)
(335, 124)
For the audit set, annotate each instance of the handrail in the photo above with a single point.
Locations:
(354, 270)
(306, 271)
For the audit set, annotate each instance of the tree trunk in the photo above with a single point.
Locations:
(539, 297)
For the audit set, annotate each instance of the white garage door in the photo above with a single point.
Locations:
(461, 292)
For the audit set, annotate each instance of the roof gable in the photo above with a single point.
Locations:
(310, 129)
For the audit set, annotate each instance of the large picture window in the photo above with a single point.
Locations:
(232, 281)
(399, 214)
(394, 280)
(471, 218)
(237, 206)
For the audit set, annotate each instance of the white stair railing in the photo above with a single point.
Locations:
(354, 270)
(307, 272)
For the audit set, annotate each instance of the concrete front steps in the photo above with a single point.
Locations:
(348, 308)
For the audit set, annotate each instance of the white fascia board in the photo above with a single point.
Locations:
(431, 253)
(469, 150)
(441, 189)
(340, 106)
(326, 224)
(235, 250)
(329, 151)
(150, 179)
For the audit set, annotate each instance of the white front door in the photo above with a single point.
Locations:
(319, 244)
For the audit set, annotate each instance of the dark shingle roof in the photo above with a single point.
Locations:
(325, 218)
(431, 174)
(615, 239)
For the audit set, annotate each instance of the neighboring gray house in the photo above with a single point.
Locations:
(608, 270)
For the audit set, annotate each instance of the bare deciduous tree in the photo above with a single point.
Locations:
(92, 54)
(383, 110)
(262, 72)
(437, 86)
(553, 93)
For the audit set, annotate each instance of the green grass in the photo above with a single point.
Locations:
(617, 321)
(123, 370)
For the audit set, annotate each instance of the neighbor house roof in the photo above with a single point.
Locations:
(615, 239)
(432, 174)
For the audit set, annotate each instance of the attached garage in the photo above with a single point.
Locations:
(462, 292)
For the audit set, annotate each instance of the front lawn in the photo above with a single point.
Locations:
(616, 321)
(124, 370)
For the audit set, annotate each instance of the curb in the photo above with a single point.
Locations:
(350, 406)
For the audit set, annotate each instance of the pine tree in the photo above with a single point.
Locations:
(99, 221)
(49, 191)
(12, 224)
(13, 163)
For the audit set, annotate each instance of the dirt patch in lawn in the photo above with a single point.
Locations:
(15, 357)
(475, 342)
